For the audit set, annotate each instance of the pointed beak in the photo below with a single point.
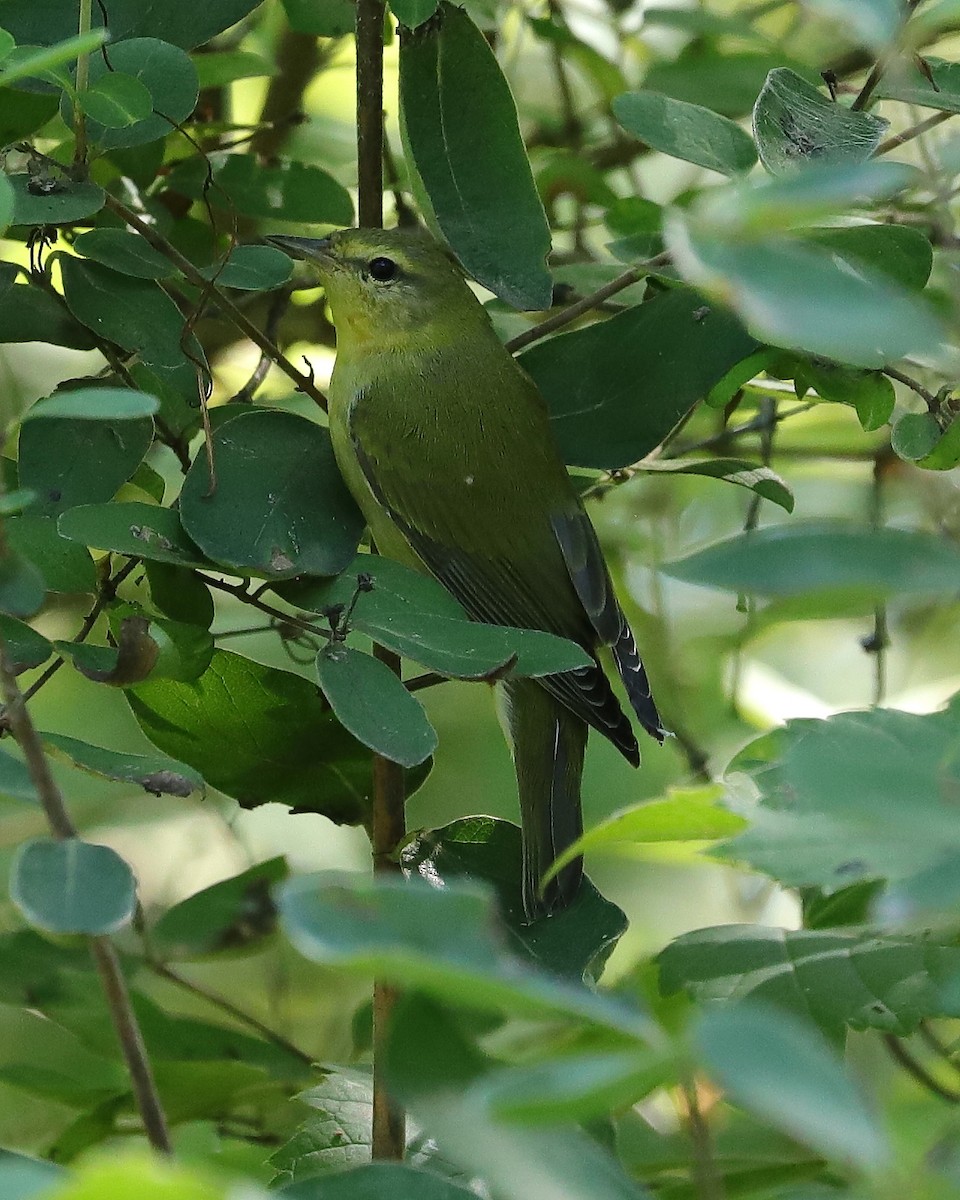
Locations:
(315, 250)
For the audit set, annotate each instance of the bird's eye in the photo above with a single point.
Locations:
(382, 269)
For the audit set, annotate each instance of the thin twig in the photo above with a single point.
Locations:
(931, 401)
(82, 76)
(879, 640)
(915, 131)
(239, 590)
(228, 1007)
(708, 1182)
(227, 306)
(902, 1055)
(573, 311)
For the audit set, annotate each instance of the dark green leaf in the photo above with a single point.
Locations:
(125, 252)
(372, 703)
(69, 462)
(686, 131)
(762, 480)
(617, 388)
(54, 201)
(179, 593)
(897, 251)
(946, 453)
(71, 886)
(135, 313)
(131, 527)
(261, 736)
(412, 13)
(287, 191)
(183, 22)
(915, 435)
(64, 566)
(726, 83)
(396, 591)
(22, 587)
(15, 779)
(233, 914)
(95, 404)
(13, 503)
(338, 1136)
(796, 125)
(116, 100)
(322, 18)
(217, 68)
(836, 978)
(797, 296)
(481, 191)
(783, 1071)
(252, 268)
(156, 774)
(906, 82)
(25, 648)
(23, 113)
(574, 943)
(29, 315)
(374, 1181)
(280, 507)
(788, 560)
(870, 392)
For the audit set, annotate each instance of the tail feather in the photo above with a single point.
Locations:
(634, 676)
(548, 743)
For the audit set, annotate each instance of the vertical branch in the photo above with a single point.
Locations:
(388, 818)
(877, 642)
(83, 75)
(122, 1016)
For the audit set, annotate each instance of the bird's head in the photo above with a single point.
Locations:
(387, 285)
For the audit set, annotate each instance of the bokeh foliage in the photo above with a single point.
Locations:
(753, 209)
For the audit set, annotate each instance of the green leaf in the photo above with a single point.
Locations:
(260, 735)
(217, 68)
(481, 191)
(371, 702)
(286, 191)
(726, 82)
(52, 200)
(897, 251)
(789, 560)
(116, 100)
(686, 131)
(873, 22)
(444, 942)
(15, 780)
(796, 125)
(857, 979)
(420, 621)
(371, 1181)
(908, 84)
(252, 268)
(13, 503)
(280, 507)
(322, 18)
(71, 886)
(135, 313)
(870, 392)
(181, 22)
(689, 815)
(234, 914)
(68, 462)
(413, 13)
(25, 648)
(24, 113)
(22, 587)
(946, 452)
(131, 527)
(338, 1136)
(95, 404)
(65, 567)
(797, 296)
(180, 593)
(126, 252)
(30, 315)
(6, 202)
(781, 1070)
(160, 70)
(758, 479)
(574, 943)
(915, 435)
(155, 773)
(617, 388)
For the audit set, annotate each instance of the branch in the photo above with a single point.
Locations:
(914, 131)
(931, 401)
(227, 306)
(573, 311)
(902, 1055)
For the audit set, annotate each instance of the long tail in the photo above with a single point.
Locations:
(548, 742)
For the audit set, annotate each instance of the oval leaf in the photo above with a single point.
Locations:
(686, 131)
(95, 404)
(72, 886)
(116, 100)
(122, 251)
(132, 527)
(279, 507)
(371, 702)
(155, 773)
(49, 200)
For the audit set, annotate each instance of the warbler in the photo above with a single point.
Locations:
(445, 443)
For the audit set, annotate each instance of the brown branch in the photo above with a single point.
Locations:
(227, 306)
(931, 401)
(370, 18)
(299, 59)
(914, 131)
(573, 311)
(240, 591)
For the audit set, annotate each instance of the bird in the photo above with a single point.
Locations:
(445, 443)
